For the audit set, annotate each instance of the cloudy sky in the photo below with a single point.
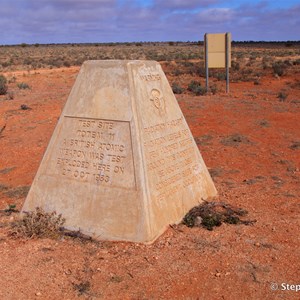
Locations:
(79, 21)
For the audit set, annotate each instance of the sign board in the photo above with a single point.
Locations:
(122, 163)
(217, 47)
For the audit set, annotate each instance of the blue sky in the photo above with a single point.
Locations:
(80, 21)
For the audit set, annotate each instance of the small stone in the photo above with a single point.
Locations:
(198, 221)
(68, 272)
(218, 274)
(38, 294)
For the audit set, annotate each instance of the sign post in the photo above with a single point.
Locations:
(206, 62)
(227, 64)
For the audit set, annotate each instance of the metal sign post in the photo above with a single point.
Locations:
(227, 42)
(206, 62)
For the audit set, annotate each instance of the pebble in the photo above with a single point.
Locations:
(68, 272)
(38, 294)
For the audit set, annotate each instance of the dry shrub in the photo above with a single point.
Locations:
(3, 85)
(213, 214)
(38, 224)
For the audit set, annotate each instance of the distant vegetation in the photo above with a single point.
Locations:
(250, 60)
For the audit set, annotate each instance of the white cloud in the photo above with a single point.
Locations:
(51, 21)
(216, 15)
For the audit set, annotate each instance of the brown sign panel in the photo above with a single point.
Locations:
(216, 47)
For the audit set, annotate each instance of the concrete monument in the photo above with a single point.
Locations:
(122, 163)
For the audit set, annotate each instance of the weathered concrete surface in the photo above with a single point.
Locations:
(122, 163)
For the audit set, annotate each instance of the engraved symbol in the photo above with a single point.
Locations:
(157, 99)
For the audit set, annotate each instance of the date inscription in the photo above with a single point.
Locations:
(95, 151)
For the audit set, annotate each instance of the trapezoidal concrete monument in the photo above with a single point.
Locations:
(122, 163)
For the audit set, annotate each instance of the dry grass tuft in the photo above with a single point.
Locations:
(38, 224)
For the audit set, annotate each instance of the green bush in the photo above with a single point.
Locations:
(23, 86)
(3, 85)
(177, 89)
(282, 96)
(235, 65)
(221, 76)
(278, 68)
(196, 88)
(214, 89)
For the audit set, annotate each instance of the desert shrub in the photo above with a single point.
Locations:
(177, 89)
(5, 64)
(23, 86)
(79, 61)
(221, 76)
(214, 89)
(12, 79)
(282, 96)
(187, 64)
(195, 69)
(235, 65)
(177, 72)
(278, 68)
(201, 71)
(3, 85)
(266, 62)
(162, 57)
(38, 224)
(296, 62)
(25, 107)
(67, 64)
(288, 62)
(213, 214)
(57, 63)
(10, 95)
(196, 88)
(27, 61)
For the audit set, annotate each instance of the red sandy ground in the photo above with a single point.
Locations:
(260, 174)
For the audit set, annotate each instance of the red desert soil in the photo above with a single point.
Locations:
(250, 141)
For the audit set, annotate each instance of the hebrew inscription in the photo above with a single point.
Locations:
(95, 151)
(171, 158)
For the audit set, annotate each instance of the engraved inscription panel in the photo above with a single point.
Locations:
(172, 160)
(94, 151)
(173, 163)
